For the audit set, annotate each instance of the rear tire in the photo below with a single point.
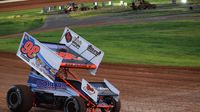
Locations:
(19, 98)
(75, 104)
(117, 106)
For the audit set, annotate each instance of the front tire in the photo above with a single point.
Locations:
(19, 98)
(75, 104)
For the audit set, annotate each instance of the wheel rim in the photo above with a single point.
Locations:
(13, 99)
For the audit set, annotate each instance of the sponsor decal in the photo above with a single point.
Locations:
(77, 43)
(93, 51)
(102, 89)
(24, 57)
(89, 89)
(68, 37)
(44, 68)
(46, 84)
(68, 56)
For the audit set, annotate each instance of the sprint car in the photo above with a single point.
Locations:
(52, 84)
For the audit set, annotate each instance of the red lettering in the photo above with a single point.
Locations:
(30, 49)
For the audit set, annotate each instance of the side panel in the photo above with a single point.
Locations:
(111, 87)
(41, 84)
(39, 57)
(89, 90)
(102, 89)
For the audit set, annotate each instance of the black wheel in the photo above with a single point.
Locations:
(19, 98)
(116, 108)
(75, 104)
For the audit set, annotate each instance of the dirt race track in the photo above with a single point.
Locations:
(144, 88)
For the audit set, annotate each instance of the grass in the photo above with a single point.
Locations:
(151, 1)
(102, 11)
(20, 21)
(194, 1)
(174, 43)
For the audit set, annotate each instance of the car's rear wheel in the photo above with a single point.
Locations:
(19, 98)
(75, 104)
(116, 104)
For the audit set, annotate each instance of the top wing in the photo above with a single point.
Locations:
(70, 58)
(82, 47)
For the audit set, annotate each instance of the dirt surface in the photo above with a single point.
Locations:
(144, 88)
